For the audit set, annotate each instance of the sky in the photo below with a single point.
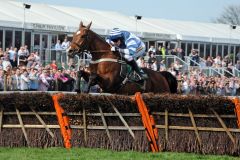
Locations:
(185, 10)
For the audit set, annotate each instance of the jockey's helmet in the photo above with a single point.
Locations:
(115, 34)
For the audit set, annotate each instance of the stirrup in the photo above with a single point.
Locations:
(144, 76)
(142, 83)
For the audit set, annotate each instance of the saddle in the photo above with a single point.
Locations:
(130, 75)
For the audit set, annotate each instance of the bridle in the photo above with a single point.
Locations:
(84, 47)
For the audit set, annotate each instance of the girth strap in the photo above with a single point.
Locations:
(107, 60)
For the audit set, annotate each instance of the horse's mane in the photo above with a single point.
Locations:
(98, 36)
(104, 42)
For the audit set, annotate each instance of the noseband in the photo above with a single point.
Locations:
(84, 46)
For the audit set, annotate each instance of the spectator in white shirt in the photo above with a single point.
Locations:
(152, 48)
(65, 44)
(154, 65)
(43, 83)
(6, 63)
(58, 45)
(26, 51)
(12, 56)
(58, 48)
(24, 81)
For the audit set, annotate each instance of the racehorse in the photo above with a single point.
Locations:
(107, 68)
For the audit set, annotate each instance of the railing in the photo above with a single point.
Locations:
(209, 71)
(236, 72)
(48, 55)
(223, 70)
(53, 54)
(169, 59)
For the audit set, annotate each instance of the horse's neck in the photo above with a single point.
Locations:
(98, 47)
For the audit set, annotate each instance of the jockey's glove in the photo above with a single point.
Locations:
(114, 49)
(122, 51)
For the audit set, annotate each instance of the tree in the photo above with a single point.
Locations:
(230, 15)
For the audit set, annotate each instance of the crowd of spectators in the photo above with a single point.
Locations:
(21, 70)
(192, 80)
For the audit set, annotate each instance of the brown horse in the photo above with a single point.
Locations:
(106, 67)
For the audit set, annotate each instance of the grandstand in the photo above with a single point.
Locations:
(41, 25)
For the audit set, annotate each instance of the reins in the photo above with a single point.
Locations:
(100, 51)
(85, 48)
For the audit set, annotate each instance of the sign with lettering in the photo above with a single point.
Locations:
(48, 27)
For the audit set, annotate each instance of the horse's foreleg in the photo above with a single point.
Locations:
(91, 82)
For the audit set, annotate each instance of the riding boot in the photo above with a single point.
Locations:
(139, 71)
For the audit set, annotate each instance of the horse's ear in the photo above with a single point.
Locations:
(81, 24)
(89, 25)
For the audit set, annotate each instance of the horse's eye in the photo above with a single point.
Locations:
(84, 36)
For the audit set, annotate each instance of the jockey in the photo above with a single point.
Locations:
(129, 46)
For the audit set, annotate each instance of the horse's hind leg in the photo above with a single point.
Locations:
(78, 82)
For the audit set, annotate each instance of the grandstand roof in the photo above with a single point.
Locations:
(61, 18)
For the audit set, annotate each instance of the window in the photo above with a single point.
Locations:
(225, 50)
(195, 46)
(8, 39)
(219, 50)
(54, 41)
(208, 51)
(61, 37)
(232, 49)
(236, 52)
(36, 42)
(201, 51)
(1, 38)
(237, 49)
(214, 50)
(18, 39)
(146, 44)
(189, 48)
(27, 40)
(44, 41)
(183, 46)
(173, 45)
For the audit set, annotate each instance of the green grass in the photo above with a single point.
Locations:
(97, 154)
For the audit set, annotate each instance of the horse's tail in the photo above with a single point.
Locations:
(172, 81)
